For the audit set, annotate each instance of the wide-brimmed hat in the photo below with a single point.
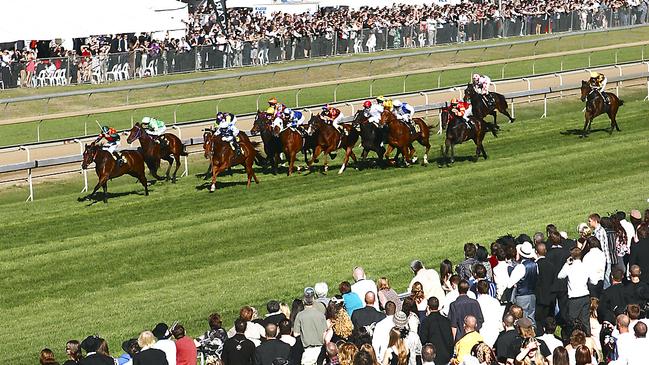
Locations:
(525, 250)
(636, 214)
(400, 320)
(161, 331)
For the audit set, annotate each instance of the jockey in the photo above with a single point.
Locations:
(598, 81)
(335, 116)
(112, 141)
(386, 102)
(461, 108)
(155, 128)
(404, 112)
(481, 83)
(274, 108)
(228, 130)
(294, 118)
(373, 111)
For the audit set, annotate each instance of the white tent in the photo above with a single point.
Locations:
(83, 18)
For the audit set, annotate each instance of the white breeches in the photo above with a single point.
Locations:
(278, 122)
(337, 120)
(158, 132)
(110, 147)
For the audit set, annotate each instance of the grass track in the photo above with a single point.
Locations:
(71, 270)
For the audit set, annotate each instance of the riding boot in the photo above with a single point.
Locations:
(236, 148)
(118, 158)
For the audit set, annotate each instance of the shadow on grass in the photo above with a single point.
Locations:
(580, 132)
(222, 184)
(441, 161)
(98, 197)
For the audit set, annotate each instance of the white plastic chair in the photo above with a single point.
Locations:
(63, 77)
(115, 73)
(151, 68)
(41, 80)
(124, 71)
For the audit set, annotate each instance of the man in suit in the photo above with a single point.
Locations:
(636, 291)
(613, 301)
(464, 306)
(436, 329)
(545, 298)
(91, 344)
(640, 254)
(367, 315)
(557, 256)
(238, 350)
(272, 348)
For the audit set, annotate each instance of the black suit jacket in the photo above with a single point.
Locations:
(557, 257)
(611, 303)
(275, 319)
(238, 350)
(640, 256)
(637, 293)
(270, 350)
(366, 316)
(99, 359)
(150, 357)
(545, 282)
(436, 329)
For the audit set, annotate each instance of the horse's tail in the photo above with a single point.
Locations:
(492, 127)
(621, 102)
(183, 150)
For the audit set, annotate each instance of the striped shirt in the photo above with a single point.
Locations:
(600, 234)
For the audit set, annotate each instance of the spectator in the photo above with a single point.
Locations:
(47, 357)
(147, 355)
(625, 339)
(613, 301)
(346, 353)
(530, 353)
(547, 274)
(640, 253)
(549, 328)
(583, 356)
(600, 233)
(382, 329)
(363, 357)
(636, 291)
(352, 301)
(410, 338)
(445, 273)
(367, 315)
(409, 307)
(525, 332)
(480, 274)
(560, 356)
(339, 325)
(254, 331)
(453, 294)
(397, 352)
(429, 279)
(272, 348)
(238, 349)
(436, 330)
(470, 337)
(387, 294)
(595, 261)
(321, 292)
(578, 296)
(185, 347)
(274, 314)
(362, 285)
(482, 256)
(91, 345)
(310, 324)
(73, 351)
(464, 268)
(428, 354)
(285, 332)
(163, 343)
(505, 338)
(210, 344)
(557, 256)
(130, 348)
(462, 307)
(491, 311)
(524, 278)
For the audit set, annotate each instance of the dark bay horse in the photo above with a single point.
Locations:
(459, 131)
(371, 136)
(595, 106)
(107, 168)
(223, 157)
(329, 139)
(479, 106)
(272, 143)
(399, 137)
(153, 152)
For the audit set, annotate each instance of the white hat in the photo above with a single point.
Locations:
(397, 102)
(525, 250)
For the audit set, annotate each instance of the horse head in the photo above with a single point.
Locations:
(314, 124)
(207, 142)
(260, 123)
(585, 90)
(386, 118)
(469, 92)
(135, 133)
(89, 155)
(445, 116)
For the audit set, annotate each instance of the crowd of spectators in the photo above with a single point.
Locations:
(254, 39)
(500, 307)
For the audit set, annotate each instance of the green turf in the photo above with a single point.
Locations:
(71, 269)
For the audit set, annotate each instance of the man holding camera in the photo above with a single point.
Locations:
(578, 296)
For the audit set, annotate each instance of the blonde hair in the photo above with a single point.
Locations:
(383, 283)
(397, 342)
(417, 292)
(346, 353)
(284, 308)
(342, 323)
(146, 339)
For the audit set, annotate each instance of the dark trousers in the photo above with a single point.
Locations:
(578, 309)
(543, 311)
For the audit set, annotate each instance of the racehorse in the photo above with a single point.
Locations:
(272, 144)
(222, 157)
(459, 131)
(595, 106)
(400, 137)
(107, 168)
(481, 109)
(154, 152)
(371, 136)
(292, 142)
(329, 139)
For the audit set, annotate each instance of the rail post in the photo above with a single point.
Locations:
(29, 175)
(425, 98)
(616, 57)
(176, 114)
(513, 111)
(297, 97)
(217, 105)
(439, 79)
(84, 173)
(38, 130)
(589, 56)
(529, 87)
(257, 101)
(502, 71)
(372, 87)
(180, 135)
(352, 108)
(128, 93)
(336, 93)
(647, 97)
(545, 106)
(404, 83)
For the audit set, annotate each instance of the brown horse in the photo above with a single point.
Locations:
(153, 152)
(329, 139)
(292, 142)
(459, 131)
(272, 145)
(479, 107)
(595, 106)
(223, 157)
(107, 168)
(400, 137)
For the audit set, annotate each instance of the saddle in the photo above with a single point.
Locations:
(489, 100)
(412, 126)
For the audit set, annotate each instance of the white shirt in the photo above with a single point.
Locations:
(450, 298)
(381, 337)
(625, 343)
(551, 341)
(492, 312)
(578, 276)
(254, 332)
(288, 339)
(638, 355)
(630, 231)
(362, 286)
(517, 274)
(595, 262)
(169, 348)
(429, 279)
(501, 277)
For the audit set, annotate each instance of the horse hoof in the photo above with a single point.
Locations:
(212, 188)
(326, 168)
(414, 159)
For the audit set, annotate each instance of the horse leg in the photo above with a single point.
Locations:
(413, 156)
(388, 151)
(348, 152)
(316, 153)
(292, 157)
(405, 151)
(215, 171)
(104, 186)
(425, 143)
(177, 159)
(327, 154)
(170, 160)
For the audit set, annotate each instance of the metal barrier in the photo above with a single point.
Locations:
(50, 162)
